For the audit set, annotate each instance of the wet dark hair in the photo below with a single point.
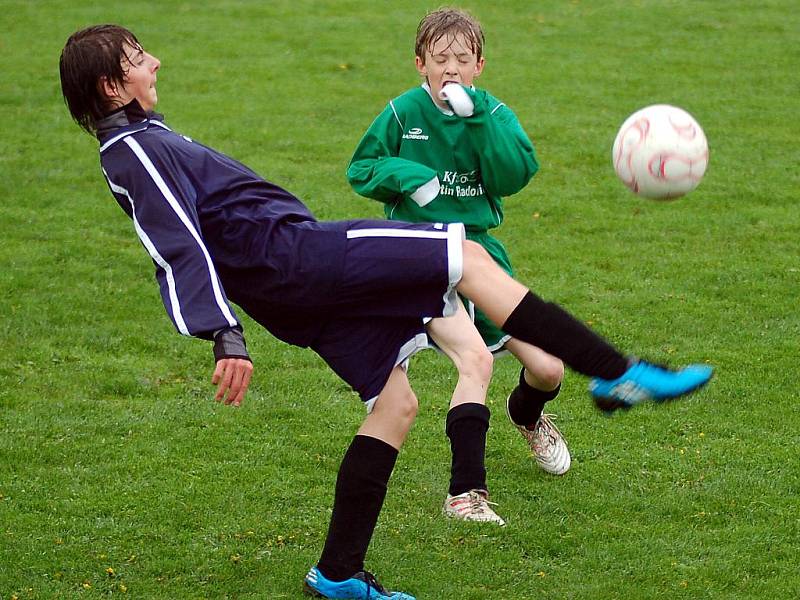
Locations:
(448, 21)
(89, 56)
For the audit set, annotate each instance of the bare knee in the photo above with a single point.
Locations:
(554, 373)
(477, 364)
(394, 411)
(547, 375)
(410, 406)
(404, 407)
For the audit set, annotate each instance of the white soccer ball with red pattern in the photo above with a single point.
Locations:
(660, 152)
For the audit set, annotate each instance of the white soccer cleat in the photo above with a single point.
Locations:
(473, 505)
(547, 444)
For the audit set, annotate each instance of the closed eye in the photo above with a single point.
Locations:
(138, 56)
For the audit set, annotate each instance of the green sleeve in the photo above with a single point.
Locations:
(508, 158)
(375, 171)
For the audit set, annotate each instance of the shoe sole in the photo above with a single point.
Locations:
(489, 521)
(308, 590)
(452, 517)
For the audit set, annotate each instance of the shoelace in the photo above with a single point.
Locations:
(372, 584)
(480, 502)
(546, 425)
(545, 428)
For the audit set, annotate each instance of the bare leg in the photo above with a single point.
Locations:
(487, 285)
(363, 478)
(539, 383)
(468, 418)
(519, 312)
(457, 337)
(394, 411)
(543, 371)
(618, 382)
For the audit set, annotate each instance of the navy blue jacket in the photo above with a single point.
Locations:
(215, 230)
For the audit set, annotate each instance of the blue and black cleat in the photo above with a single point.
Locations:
(645, 381)
(361, 586)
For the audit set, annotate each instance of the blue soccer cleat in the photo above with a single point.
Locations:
(645, 381)
(361, 586)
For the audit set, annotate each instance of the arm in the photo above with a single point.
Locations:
(375, 171)
(159, 199)
(507, 158)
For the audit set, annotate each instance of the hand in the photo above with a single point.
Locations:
(233, 376)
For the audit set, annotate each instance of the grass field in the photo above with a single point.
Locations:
(119, 476)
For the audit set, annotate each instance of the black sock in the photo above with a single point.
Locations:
(526, 403)
(466, 427)
(360, 490)
(555, 331)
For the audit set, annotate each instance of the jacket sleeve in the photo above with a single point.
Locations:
(154, 192)
(507, 158)
(376, 171)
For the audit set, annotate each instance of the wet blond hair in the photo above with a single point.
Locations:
(448, 22)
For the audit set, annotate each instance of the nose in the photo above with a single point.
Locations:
(452, 66)
(156, 63)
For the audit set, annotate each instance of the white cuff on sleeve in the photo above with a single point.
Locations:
(426, 193)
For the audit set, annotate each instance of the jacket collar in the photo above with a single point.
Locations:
(130, 114)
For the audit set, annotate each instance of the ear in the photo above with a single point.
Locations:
(479, 67)
(108, 87)
(420, 64)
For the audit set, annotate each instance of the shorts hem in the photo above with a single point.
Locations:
(456, 234)
(416, 344)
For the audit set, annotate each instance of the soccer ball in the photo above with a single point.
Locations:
(660, 152)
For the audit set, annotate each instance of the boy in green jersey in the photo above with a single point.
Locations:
(450, 153)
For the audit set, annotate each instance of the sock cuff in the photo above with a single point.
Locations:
(521, 310)
(554, 330)
(366, 445)
(367, 454)
(531, 393)
(467, 411)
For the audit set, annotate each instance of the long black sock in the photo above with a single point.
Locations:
(466, 427)
(360, 490)
(526, 403)
(554, 330)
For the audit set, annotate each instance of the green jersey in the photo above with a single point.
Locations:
(427, 164)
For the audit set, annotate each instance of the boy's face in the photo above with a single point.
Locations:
(140, 79)
(450, 60)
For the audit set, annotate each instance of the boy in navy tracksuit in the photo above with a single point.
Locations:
(356, 292)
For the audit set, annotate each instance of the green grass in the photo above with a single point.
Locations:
(120, 477)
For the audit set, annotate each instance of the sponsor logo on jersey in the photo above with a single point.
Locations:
(454, 177)
(415, 133)
(461, 185)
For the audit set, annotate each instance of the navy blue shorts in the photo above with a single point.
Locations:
(395, 275)
(356, 292)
